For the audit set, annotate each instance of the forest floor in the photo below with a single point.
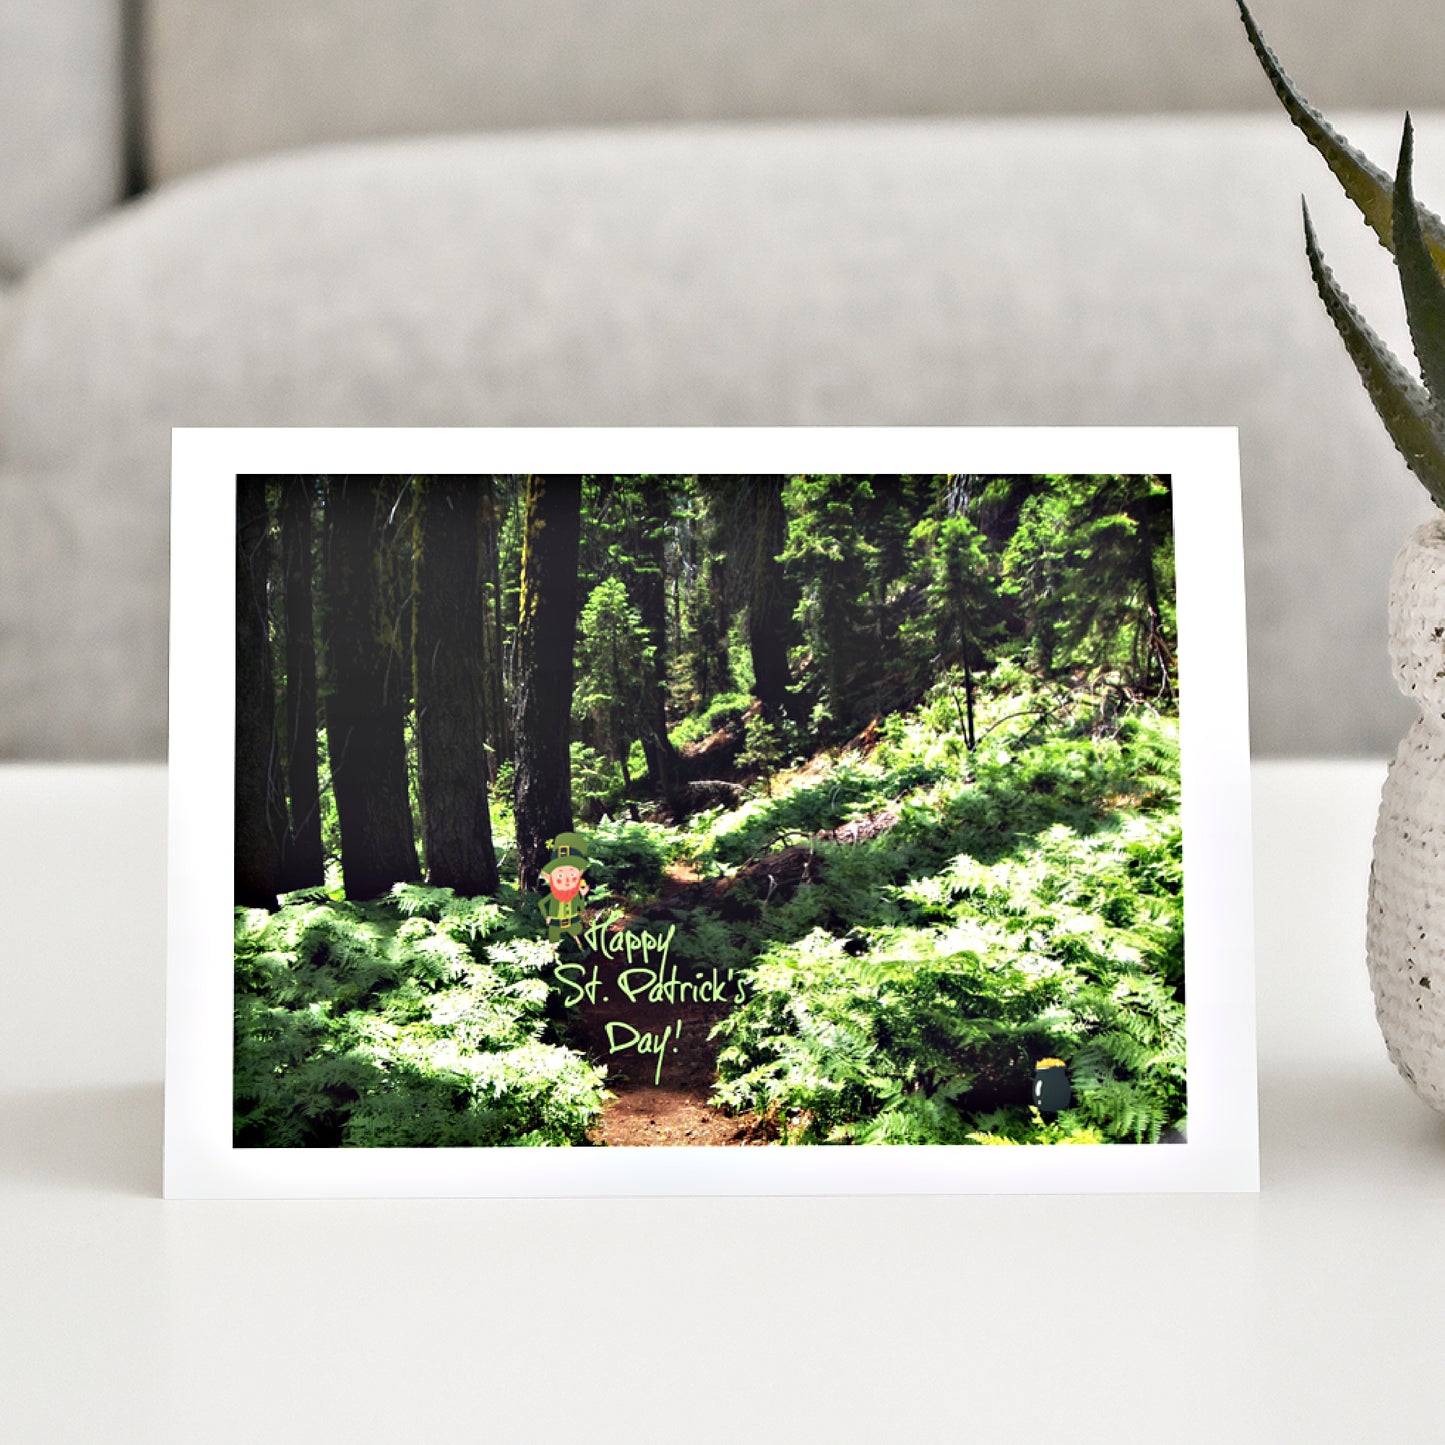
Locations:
(666, 1104)
(670, 1106)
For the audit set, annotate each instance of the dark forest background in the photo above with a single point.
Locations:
(409, 648)
(436, 675)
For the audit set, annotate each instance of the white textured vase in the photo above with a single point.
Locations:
(1405, 932)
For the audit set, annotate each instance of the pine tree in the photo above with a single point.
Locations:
(770, 604)
(1090, 563)
(958, 618)
(613, 670)
(1035, 566)
(832, 559)
(1120, 540)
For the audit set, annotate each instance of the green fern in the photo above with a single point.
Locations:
(921, 1021)
(411, 1023)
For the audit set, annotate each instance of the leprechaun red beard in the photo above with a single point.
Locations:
(564, 883)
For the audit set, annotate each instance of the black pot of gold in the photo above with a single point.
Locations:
(1051, 1086)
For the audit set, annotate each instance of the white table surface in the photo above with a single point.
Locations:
(1306, 1313)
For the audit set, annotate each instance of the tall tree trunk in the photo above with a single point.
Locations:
(303, 863)
(712, 667)
(837, 638)
(652, 606)
(547, 634)
(676, 584)
(510, 538)
(769, 615)
(366, 711)
(259, 816)
(716, 580)
(970, 734)
(1155, 646)
(450, 729)
(497, 723)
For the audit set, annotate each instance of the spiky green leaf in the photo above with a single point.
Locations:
(1423, 289)
(1400, 400)
(1369, 187)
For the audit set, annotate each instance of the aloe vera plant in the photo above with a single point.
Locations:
(1413, 413)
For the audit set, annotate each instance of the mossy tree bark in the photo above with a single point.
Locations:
(260, 814)
(652, 607)
(1153, 511)
(713, 539)
(367, 705)
(547, 634)
(302, 860)
(490, 514)
(450, 706)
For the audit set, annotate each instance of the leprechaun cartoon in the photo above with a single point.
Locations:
(563, 872)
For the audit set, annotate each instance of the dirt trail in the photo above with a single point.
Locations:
(661, 1065)
(659, 1101)
(668, 1105)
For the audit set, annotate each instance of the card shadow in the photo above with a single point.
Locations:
(1310, 1125)
(95, 1140)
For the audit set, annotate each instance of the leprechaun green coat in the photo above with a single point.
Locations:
(561, 917)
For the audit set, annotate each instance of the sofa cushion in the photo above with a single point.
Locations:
(229, 79)
(60, 121)
(1101, 272)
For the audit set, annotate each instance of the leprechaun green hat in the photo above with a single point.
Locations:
(567, 849)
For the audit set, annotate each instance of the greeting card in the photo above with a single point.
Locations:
(708, 811)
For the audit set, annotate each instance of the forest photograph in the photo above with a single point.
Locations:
(707, 810)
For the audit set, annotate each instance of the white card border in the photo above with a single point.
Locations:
(1222, 1150)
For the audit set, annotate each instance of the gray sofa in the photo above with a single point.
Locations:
(681, 212)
